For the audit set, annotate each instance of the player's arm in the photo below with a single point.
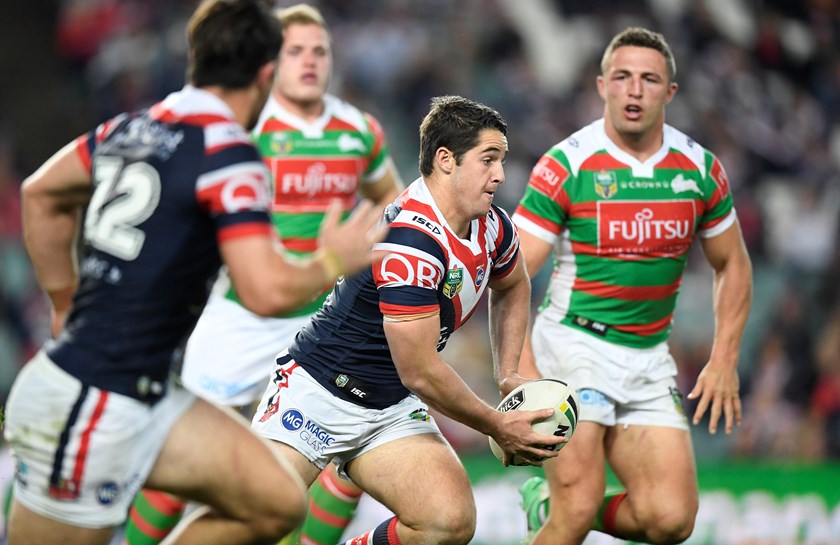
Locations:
(52, 201)
(270, 282)
(413, 348)
(386, 189)
(717, 386)
(509, 310)
(535, 251)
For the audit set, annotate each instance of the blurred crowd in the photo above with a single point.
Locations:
(759, 86)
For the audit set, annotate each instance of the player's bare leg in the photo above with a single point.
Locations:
(656, 465)
(211, 456)
(28, 528)
(421, 480)
(576, 484)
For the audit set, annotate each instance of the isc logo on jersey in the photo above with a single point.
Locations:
(662, 228)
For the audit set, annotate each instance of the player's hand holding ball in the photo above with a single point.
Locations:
(551, 409)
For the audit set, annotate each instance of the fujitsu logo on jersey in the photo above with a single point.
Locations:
(645, 227)
(317, 180)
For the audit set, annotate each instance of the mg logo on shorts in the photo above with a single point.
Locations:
(292, 419)
(107, 493)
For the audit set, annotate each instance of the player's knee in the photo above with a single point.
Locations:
(576, 511)
(449, 527)
(280, 515)
(669, 527)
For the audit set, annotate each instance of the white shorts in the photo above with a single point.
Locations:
(231, 352)
(617, 385)
(83, 453)
(298, 411)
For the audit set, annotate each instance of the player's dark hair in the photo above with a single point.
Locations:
(641, 37)
(230, 40)
(454, 123)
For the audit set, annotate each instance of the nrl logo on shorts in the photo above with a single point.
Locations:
(454, 282)
(606, 185)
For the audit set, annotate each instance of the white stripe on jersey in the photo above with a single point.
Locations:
(725, 224)
(254, 169)
(224, 133)
(409, 250)
(532, 228)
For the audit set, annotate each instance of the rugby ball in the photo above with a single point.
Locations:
(542, 394)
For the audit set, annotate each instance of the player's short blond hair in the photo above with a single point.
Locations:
(301, 14)
(641, 37)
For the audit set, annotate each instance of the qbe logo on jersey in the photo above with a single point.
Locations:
(317, 439)
(646, 228)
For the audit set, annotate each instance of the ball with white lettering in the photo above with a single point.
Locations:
(542, 394)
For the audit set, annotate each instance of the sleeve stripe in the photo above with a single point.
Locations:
(221, 175)
(241, 230)
(392, 310)
(222, 135)
(84, 151)
(714, 229)
(533, 228)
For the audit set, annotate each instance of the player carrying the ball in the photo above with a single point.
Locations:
(356, 385)
(620, 202)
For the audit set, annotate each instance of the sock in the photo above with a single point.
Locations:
(605, 521)
(332, 505)
(152, 517)
(384, 534)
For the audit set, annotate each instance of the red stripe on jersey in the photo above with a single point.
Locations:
(602, 161)
(84, 440)
(307, 245)
(676, 160)
(548, 225)
(273, 124)
(378, 134)
(646, 330)
(336, 124)
(159, 112)
(84, 152)
(718, 174)
(714, 222)
(240, 230)
(103, 130)
(586, 209)
(582, 248)
(627, 293)
(219, 147)
(417, 206)
(389, 309)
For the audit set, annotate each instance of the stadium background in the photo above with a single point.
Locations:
(759, 85)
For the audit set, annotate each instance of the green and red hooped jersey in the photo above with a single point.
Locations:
(313, 163)
(621, 229)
